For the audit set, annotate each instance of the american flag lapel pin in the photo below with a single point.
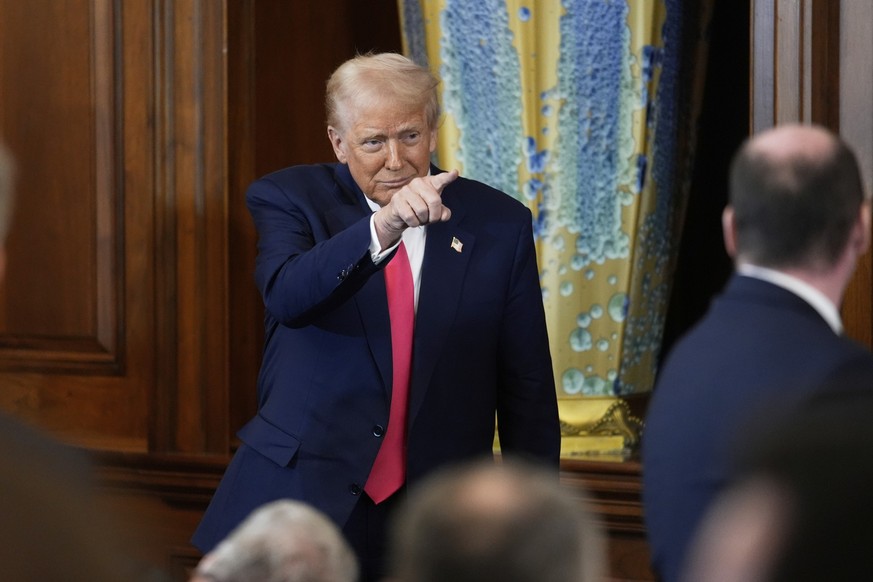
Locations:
(457, 245)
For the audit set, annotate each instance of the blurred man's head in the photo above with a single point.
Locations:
(282, 541)
(796, 195)
(485, 522)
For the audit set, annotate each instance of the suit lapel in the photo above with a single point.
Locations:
(371, 301)
(373, 309)
(352, 205)
(442, 279)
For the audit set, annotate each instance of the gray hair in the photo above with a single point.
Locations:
(282, 541)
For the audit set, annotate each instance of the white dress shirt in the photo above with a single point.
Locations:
(413, 239)
(805, 291)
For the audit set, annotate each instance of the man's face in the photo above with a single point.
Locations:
(385, 147)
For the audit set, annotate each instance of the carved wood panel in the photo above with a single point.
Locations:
(77, 323)
(61, 301)
(812, 64)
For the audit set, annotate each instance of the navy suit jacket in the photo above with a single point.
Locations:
(760, 349)
(480, 347)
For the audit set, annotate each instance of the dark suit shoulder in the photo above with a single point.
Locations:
(308, 185)
(26, 447)
(303, 173)
(754, 290)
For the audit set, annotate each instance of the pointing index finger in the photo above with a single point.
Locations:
(440, 181)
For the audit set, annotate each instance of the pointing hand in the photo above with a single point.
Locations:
(416, 204)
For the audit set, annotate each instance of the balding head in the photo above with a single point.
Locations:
(508, 522)
(795, 193)
(787, 143)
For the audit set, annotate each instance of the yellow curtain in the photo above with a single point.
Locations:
(578, 109)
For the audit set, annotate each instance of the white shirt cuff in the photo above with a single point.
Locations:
(376, 252)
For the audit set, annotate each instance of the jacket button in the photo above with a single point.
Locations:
(378, 430)
(355, 489)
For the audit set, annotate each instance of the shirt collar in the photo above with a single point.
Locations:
(805, 291)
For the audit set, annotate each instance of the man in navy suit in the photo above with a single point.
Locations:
(480, 352)
(797, 221)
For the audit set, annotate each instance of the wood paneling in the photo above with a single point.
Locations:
(812, 64)
(795, 66)
(191, 226)
(61, 302)
(115, 328)
(164, 496)
(614, 491)
(854, 104)
(76, 336)
(246, 310)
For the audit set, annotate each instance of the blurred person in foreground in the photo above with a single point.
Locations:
(52, 524)
(283, 541)
(403, 315)
(797, 221)
(798, 506)
(507, 522)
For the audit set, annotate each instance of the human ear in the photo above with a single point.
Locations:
(338, 144)
(729, 231)
(862, 228)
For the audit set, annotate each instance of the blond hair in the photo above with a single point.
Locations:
(370, 77)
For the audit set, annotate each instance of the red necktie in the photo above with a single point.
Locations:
(389, 470)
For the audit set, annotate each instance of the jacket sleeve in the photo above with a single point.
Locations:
(306, 265)
(527, 409)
